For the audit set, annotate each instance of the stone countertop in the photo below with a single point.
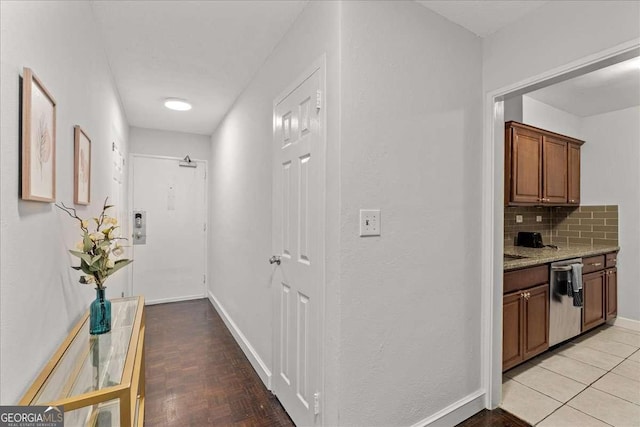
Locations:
(537, 256)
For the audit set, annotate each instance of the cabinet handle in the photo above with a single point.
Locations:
(596, 264)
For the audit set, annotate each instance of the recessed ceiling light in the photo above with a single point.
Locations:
(177, 104)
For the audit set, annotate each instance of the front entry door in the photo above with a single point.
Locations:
(298, 239)
(170, 265)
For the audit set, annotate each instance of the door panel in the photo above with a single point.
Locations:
(536, 323)
(593, 311)
(555, 170)
(527, 166)
(512, 330)
(171, 265)
(298, 221)
(573, 194)
(612, 293)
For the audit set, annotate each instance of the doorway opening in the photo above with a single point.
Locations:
(493, 197)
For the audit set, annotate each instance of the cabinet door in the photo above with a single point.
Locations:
(573, 173)
(536, 321)
(593, 310)
(554, 179)
(512, 330)
(611, 292)
(526, 166)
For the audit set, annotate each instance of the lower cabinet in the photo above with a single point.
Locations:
(611, 292)
(525, 330)
(593, 308)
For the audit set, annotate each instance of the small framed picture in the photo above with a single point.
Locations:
(38, 140)
(81, 167)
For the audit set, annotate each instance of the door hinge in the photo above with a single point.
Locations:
(316, 403)
(318, 99)
(205, 227)
(113, 146)
(204, 278)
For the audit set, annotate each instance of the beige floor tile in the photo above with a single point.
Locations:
(569, 417)
(601, 343)
(525, 403)
(517, 370)
(627, 330)
(622, 387)
(605, 407)
(635, 356)
(618, 334)
(592, 357)
(629, 369)
(549, 383)
(571, 368)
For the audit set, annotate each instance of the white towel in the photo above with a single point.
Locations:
(576, 282)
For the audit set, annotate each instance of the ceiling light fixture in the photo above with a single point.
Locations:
(177, 104)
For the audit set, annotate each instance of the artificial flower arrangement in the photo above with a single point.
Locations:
(99, 251)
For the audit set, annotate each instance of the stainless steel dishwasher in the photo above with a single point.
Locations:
(565, 320)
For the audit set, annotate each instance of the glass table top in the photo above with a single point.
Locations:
(92, 362)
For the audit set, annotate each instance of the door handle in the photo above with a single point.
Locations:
(275, 259)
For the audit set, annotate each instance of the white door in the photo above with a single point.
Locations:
(119, 281)
(298, 238)
(170, 266)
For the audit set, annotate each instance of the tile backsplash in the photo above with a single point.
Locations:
(584, 225)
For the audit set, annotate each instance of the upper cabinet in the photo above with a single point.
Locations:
(541, 167)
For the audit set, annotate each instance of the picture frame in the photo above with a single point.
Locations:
(38, 177)
(81, 167)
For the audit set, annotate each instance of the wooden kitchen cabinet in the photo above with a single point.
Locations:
(611, 293)
(593, 308)
(525, 314)
(541, 167)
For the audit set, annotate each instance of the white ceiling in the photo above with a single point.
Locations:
(608, 89)
(203, 51)
(482, 17)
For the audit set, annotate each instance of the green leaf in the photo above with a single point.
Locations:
(107, 207)
(86, 241)
(95, 259)
(76, 268)
(85, 257)
(85, 268)
(118, 265)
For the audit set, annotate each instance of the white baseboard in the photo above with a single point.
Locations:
(166, 300)
(456, 412)
(623, 322)
(258, 364)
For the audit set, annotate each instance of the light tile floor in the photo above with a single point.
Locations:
(594, 380)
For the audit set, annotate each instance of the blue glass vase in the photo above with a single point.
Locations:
(100, 314)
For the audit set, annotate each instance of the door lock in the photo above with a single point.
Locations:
(274, 260)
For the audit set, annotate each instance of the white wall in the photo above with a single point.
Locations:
(553, 35)
(40, 298)
(610, 175)
(411, 139)
(240, 191)
(539, 114)
(169, 144)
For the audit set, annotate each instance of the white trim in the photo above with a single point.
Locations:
(492, 218)
(626, 323)
(456, 412)
(178, 299)
(254, 358)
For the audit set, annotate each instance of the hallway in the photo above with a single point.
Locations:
(196, 375)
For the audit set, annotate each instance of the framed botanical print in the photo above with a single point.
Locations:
(81, 167)
(38, 140)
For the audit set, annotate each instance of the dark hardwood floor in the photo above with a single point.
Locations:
(495, 418)
(197, 375)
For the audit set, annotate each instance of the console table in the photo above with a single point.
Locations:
(98, 379)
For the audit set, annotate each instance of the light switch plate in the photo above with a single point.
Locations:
(518, 218)
(369, 222)
(538, 218)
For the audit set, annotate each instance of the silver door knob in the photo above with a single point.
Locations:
(274, 260)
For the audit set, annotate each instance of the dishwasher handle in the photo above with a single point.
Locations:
(564, 267)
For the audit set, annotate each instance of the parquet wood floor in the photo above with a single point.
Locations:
(197, 375)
